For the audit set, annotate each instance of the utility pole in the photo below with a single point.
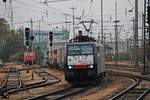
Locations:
(142, 37)
(31, 41)
(111, 39)
(66, 28)
(39, 42)
(102, 35)
(3, 51)
(144, 55)
(116, 35)
(11, 12)
(73, 19)
(39, 32)
(66, 24)
(136, 32)
(31, 27)
(127, 47)
(132, 54)
(148, 46)
(148, 24)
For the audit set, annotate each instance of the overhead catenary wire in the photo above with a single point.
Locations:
(52, 10)
(53, 1)
(29, 4)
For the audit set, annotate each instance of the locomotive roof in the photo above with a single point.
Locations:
(96, 43)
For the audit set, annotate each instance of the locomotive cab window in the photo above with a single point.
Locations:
(73, 50)
(86, 50)
(80, 50)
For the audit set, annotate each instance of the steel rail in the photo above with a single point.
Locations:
(47, 80)
(126, 90)
(12, 81)
(19, 79)
(6, 77)
(140, 92)
(59, 94)
(141, 97)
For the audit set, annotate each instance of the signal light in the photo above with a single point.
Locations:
(51, 44)
(27, 33)
(32, 38)
(148, 17)
(51, 36)
(27, 43)
(4, 0)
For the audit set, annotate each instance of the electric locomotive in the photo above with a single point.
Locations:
(29, 57)
(84, 60)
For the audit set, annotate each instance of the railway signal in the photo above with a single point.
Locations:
(51, 37)
(27, 43)
(27, 35)
(32, 38)
(4, 0)
(148, 17)
(51, 43)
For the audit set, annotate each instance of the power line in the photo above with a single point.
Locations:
(130, 3)
(53, 1)
(49, 6)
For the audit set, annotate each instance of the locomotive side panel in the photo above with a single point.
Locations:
(29, 56)
(100, 60)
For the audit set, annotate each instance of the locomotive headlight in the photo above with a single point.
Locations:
(80, 57)
(70, 67)
(91, 66)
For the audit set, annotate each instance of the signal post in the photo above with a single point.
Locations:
(146, 61)
(29, 46)
(148, 44)
(27, 35)
(51, 44)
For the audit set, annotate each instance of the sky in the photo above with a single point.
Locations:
(47, 16)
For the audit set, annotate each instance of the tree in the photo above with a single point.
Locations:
(11, 40)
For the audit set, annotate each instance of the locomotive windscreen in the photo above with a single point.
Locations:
(80, 50)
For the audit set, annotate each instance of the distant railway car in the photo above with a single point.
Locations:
(29, 56)
(57, 57)
(84, 62)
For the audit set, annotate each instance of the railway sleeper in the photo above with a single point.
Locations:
(12, 75)
(12, 85)
(12, 82)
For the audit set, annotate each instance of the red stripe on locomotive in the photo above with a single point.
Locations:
(80, 67)
(29, 56)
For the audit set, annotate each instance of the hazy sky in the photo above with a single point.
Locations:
(50, 13)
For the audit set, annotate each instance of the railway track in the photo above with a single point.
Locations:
(134, 92)
(59, 94)
(12, 81)
(47, 80)
(46, 76)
